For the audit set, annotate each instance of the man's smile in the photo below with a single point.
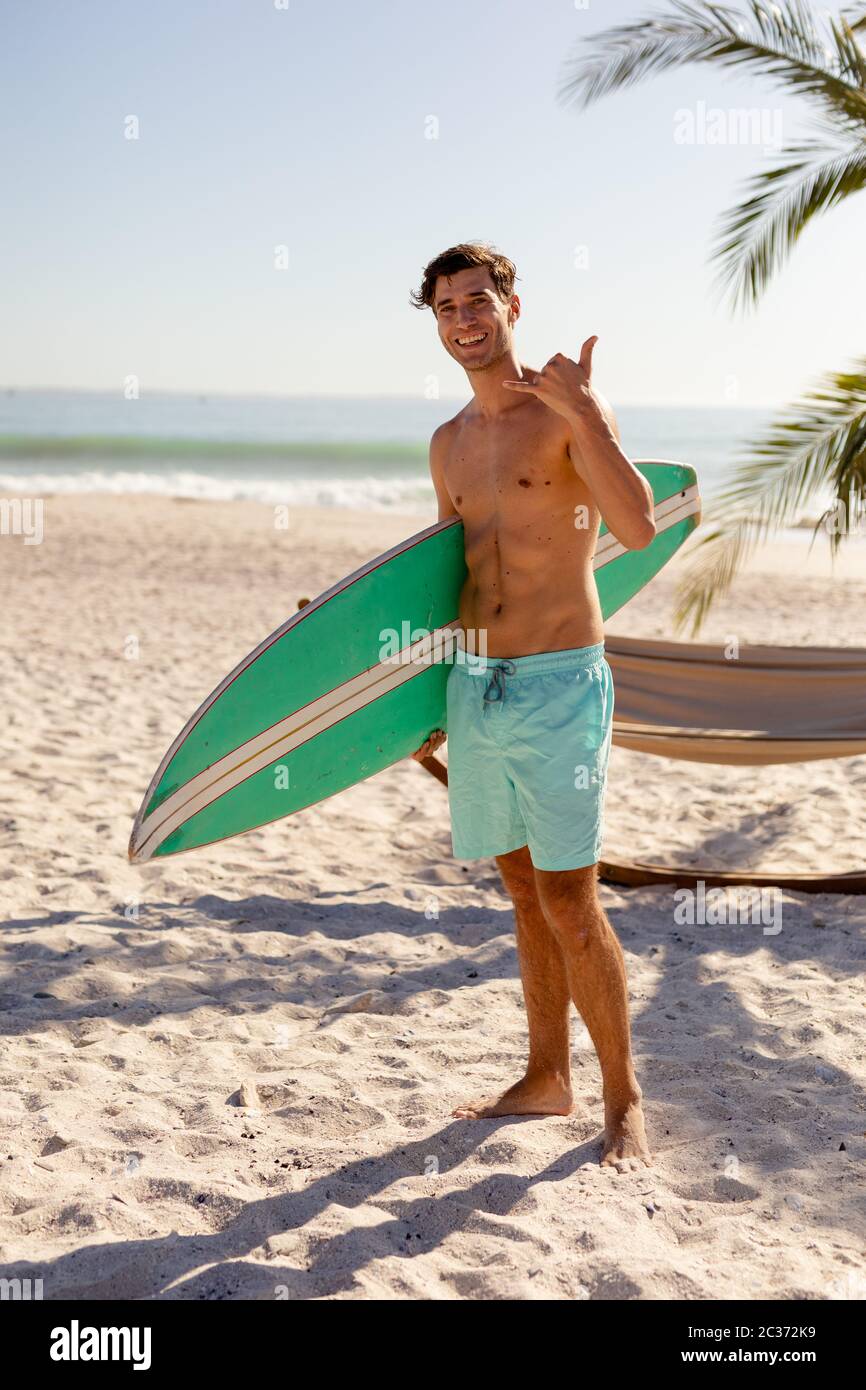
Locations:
(470, 339)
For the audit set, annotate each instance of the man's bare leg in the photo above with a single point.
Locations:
(546, 1087)
(596, 975)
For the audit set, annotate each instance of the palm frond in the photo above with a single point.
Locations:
(757, 236)
(820, 447)
(782, 41)
(851, 58)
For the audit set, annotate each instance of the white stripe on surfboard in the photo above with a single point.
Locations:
(290, 733)
(266, 747)
(666, 514)
(675, 510)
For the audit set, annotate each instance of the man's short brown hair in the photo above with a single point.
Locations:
(503, 272)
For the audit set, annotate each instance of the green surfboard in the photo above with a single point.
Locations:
(353, 682)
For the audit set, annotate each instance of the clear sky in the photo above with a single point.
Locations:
(307, 127)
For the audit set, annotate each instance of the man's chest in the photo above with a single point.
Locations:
(522, 464)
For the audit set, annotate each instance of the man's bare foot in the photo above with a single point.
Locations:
(545, 1094)
(625, 1143)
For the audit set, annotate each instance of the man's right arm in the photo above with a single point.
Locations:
(438, 453)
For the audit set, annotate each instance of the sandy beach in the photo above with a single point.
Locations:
(230, 1075)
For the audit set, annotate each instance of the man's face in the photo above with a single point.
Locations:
(473, 322)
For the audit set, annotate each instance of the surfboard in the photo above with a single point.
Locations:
(353, 682)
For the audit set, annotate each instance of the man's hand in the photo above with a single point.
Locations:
(430, 744)
(564, 385)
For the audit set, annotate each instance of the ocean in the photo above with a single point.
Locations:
(367, 453)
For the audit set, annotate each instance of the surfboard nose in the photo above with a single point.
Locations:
(137, 850)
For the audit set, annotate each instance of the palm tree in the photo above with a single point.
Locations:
(822, 442)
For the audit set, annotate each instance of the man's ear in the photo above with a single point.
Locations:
(515, 307)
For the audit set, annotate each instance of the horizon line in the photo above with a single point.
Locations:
(204, 396)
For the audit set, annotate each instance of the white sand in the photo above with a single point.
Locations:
(344, 964)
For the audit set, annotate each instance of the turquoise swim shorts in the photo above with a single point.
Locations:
(528, 748)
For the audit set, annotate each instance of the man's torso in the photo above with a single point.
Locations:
(530, 528)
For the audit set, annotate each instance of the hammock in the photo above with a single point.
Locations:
(770, 705)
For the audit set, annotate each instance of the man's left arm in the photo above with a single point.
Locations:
(621, 493)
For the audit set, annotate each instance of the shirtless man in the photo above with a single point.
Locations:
(531, 464)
